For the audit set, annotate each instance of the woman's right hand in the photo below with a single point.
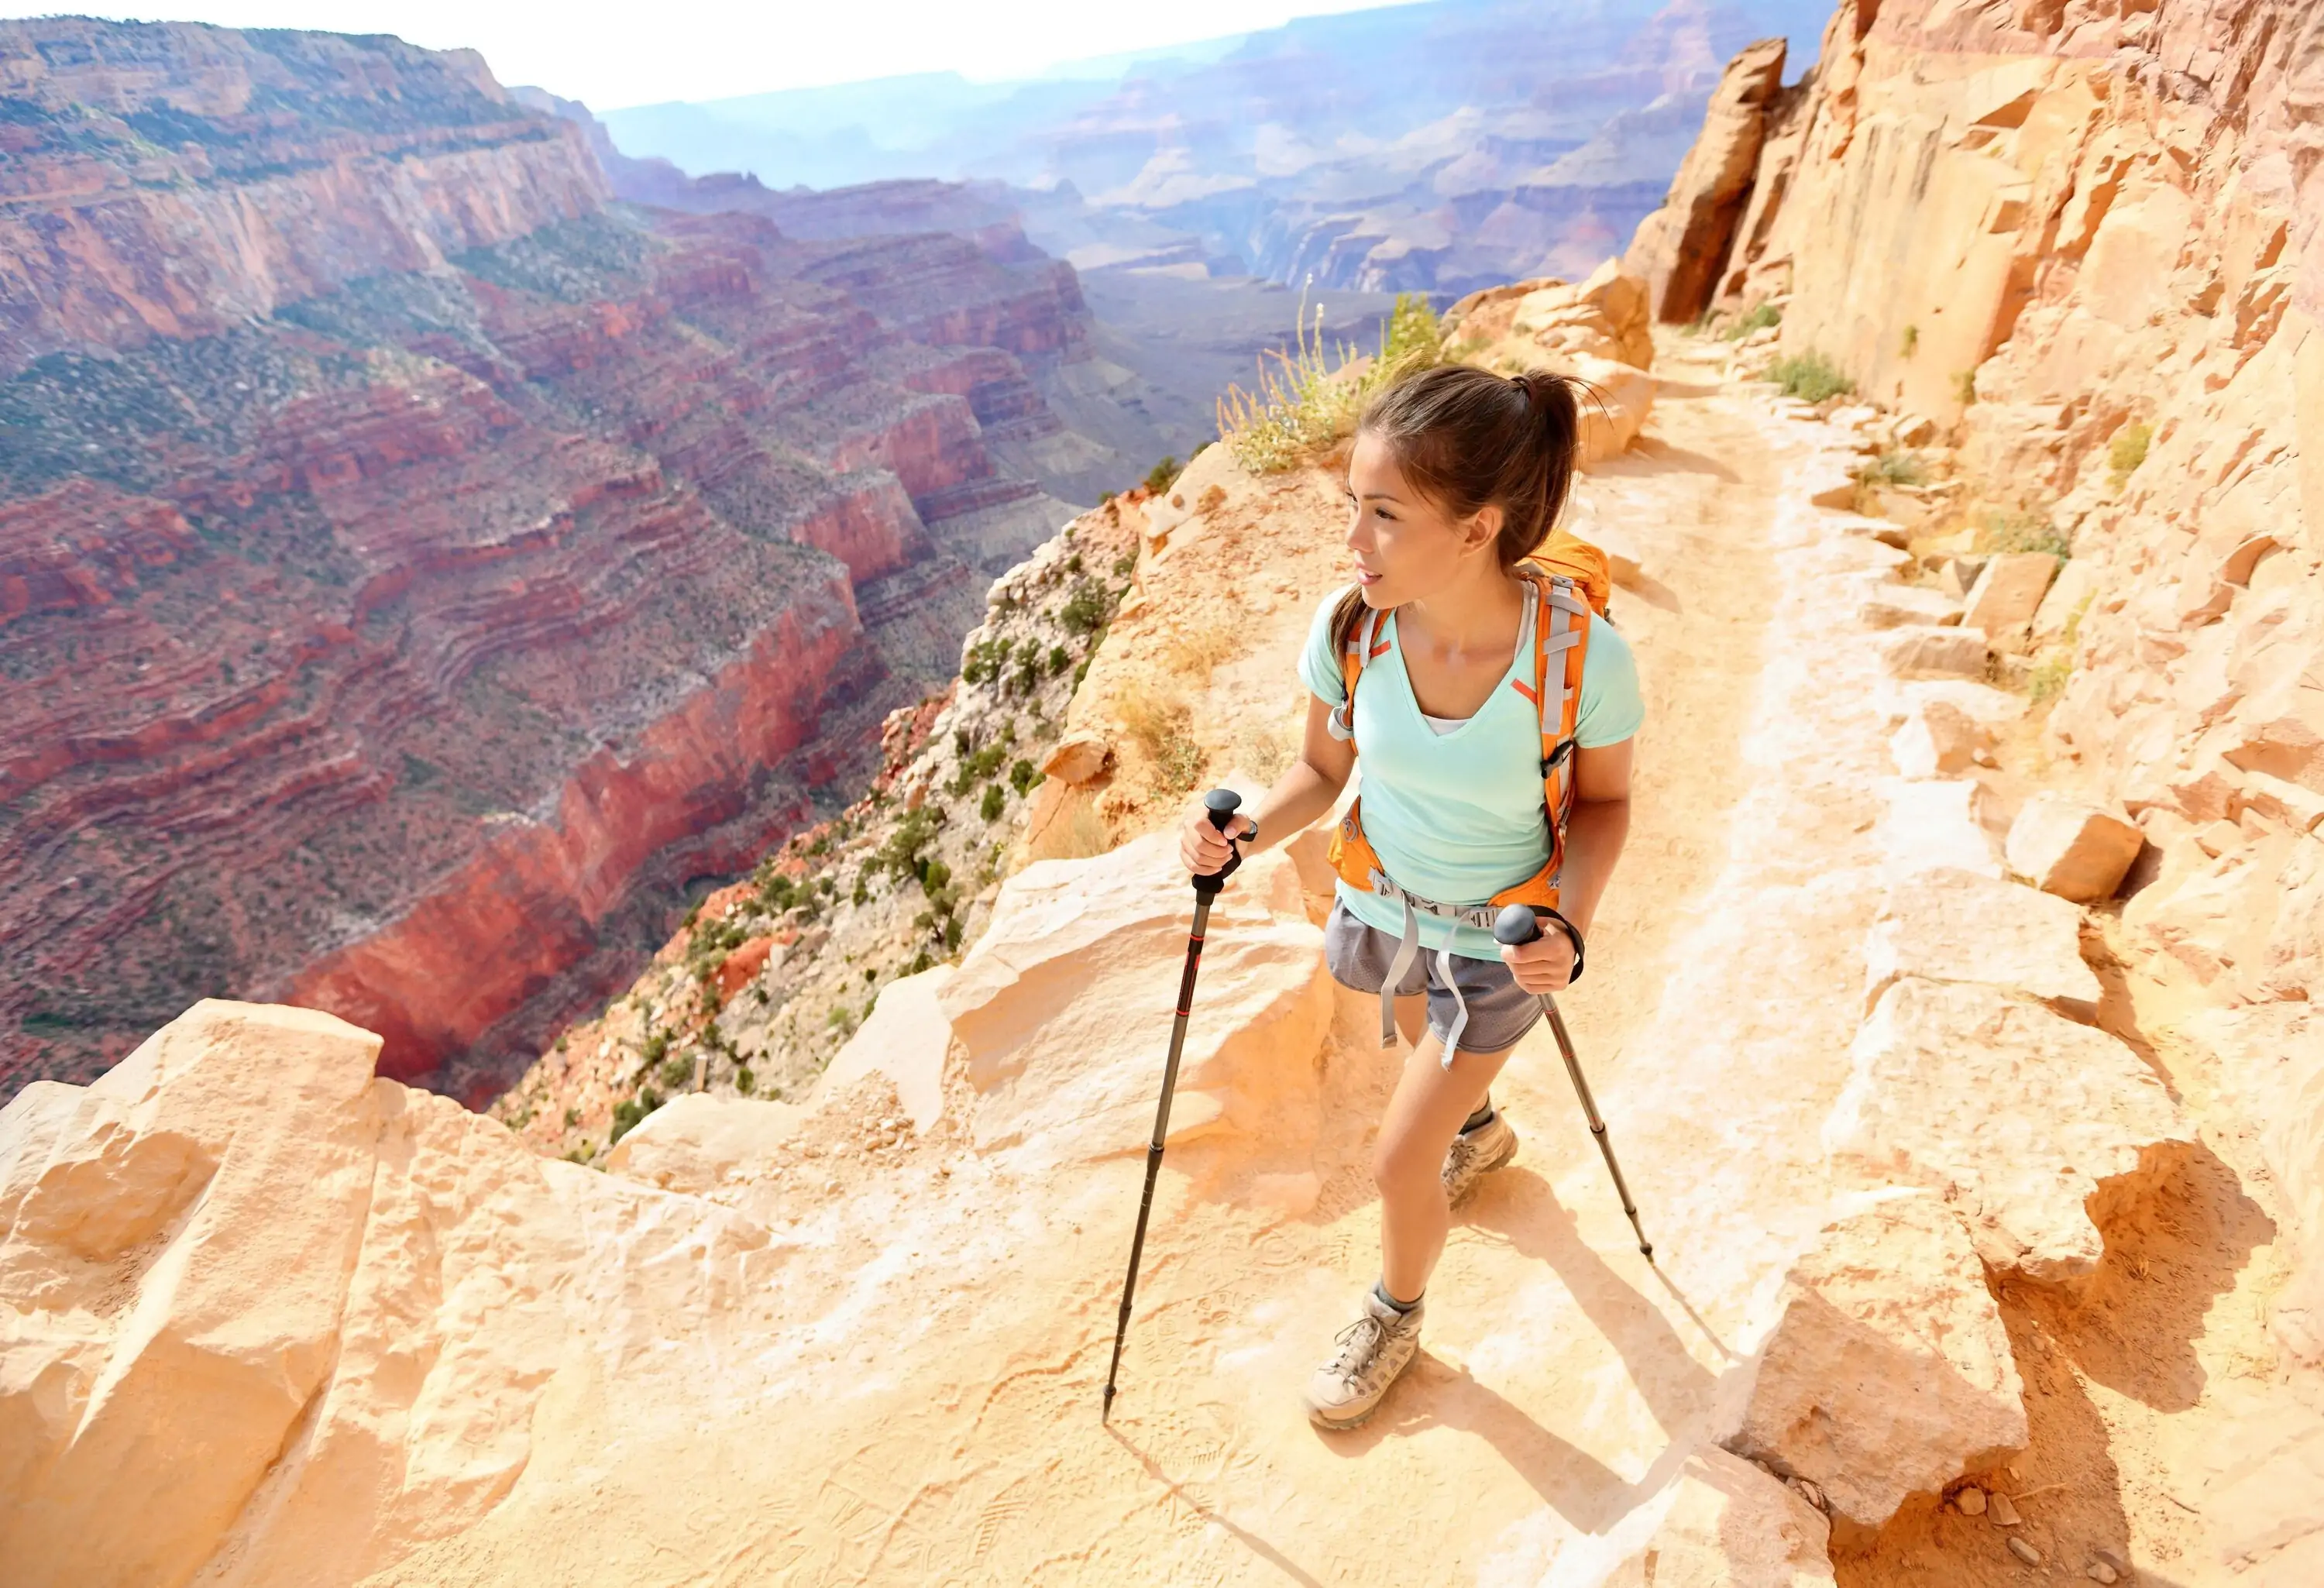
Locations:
(1203, 846)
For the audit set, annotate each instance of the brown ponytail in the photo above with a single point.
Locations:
(1467, 438)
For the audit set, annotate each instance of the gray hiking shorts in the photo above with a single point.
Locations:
(1500, 1011)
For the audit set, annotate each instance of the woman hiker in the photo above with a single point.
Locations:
(1456, 474)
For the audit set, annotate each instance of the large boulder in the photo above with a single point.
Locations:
(1062, 1006)
(1929, 650)
(906, 1038)
(298, 1318)
(2018, 1113)
(2007, 594)
(2071, 847)
(1947, 925)
(1889, 1372)
(1726, 1524)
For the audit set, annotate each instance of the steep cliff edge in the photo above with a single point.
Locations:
(415, 568)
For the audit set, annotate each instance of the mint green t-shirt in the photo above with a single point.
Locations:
(1457, 816)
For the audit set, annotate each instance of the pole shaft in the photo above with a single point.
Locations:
(1597, 1126)
(1161, 1128)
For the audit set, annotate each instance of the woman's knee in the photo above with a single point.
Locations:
(1400, 1166)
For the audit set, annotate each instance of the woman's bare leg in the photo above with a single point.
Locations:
(1429, 1106)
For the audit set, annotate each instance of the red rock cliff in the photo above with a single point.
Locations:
(412, 573)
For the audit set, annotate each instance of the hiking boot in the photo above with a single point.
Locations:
(1476, 1153)
(1372, 1351)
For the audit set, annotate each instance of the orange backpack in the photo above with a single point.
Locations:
(1569, 583)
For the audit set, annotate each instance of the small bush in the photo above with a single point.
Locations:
(1998, 530)
(678, 1072)
(1309, 400)
(2047, 680)
(991, 804)
(1893, 467)
(920, 962)
(2128, 450)
(1085, 609)
(1159, 478)
(1125, 564)
(841, 1018)
(1762, 316)
(1022, 776)
(1196, 651)
(1810, 376)
(1910, 340)
(1058, 660)
(746, 1082)
(1965, 386)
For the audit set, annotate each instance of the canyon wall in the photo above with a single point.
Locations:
(2077, 242)
(416, 567)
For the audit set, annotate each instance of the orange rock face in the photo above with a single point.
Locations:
(400, 602)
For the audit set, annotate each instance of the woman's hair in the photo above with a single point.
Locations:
(1467, 438)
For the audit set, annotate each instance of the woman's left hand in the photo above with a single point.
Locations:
(1543, 965)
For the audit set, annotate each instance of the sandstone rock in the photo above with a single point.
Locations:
(1956, 925)
(2071, 848)
(305, 1315)
(1914, 429)
(1612, 419)
(2007, 594)
(698, 1141)
(1726, 1524)
(1958, 576)
(1896, 605)
(1069, 965)
(1923, 651)
(1077, 758)
(1935, 823)
(2068, 595)
(2270, 1060)
(1970, 1501)
(905, 1039)
(1938, 739)
(2017, 1114)
(1679, 248)
(1889, 1372)
(2003, 1510)
(2024, 1551)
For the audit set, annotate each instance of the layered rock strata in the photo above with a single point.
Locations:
(413, 571)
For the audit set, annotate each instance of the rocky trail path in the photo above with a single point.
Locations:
(849, 1424)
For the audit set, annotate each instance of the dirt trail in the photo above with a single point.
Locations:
(916, 1398)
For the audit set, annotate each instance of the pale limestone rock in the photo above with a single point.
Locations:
(1069, 968)
(1889, 1373)
(1214, 464)
(1914, 429)
(2259, 1484)
(2270, 1060)
(2068, 595)
(306, 1316)
(2017, 1113)
(1936, 822)
(1896, 605)
(1077, 758)
(1956, 925)
(905, 1039)
(1726, 1524)
(1956, 575)
(1612, 419)
(2007, 594)
(1927, 651)
(698, 1142)
(1938, 739)
(2071, 848)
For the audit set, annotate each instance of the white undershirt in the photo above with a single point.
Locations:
(1442, 724)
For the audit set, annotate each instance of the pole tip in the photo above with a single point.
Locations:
(1106, 1415)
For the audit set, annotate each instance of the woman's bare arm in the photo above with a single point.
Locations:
(1307, 789)
(1594, 832)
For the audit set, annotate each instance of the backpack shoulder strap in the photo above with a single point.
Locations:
(1561, 641)
(1364, 643)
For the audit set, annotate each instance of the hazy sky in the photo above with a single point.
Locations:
(613, 54)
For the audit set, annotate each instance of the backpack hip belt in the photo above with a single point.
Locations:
(1562, 640)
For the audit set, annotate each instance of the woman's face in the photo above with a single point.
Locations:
(1407, 547)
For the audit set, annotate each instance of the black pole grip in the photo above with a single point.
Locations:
(1521, 923)
(1222, 804)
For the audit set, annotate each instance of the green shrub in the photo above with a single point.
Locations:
(1911, 339)
(2000, 529)
(1023, 776)
(746, 1082)
(1085, 609)
(990, 806)
(678, 1072)
(1762, 316)
(1309, 400)
(936, 876)
(2047, 679)
(1159, 478)
(920, 962)
(1965, 386)
(1893, 467)
(2128, 450)
(1125, 564)
(1808, 376)
(841, 1019)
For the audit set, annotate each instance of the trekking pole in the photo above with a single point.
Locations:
(1222, 804)
(1518, 924)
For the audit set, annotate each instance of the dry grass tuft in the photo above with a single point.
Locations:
(1310, 400)
(1163, 726)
